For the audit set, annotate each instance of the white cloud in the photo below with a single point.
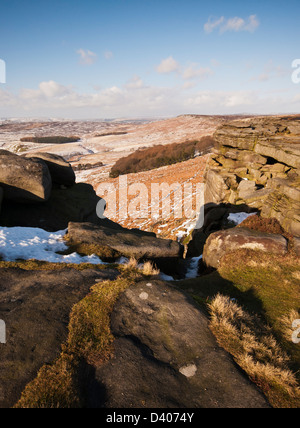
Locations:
(86, 57)
(192, 71)
(134, 99)
(168, 65)
(235, 24)
(53, 89)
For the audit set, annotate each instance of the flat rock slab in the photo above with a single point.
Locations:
(35, 305)
(223, 242)
(166, 356)
(110, 243)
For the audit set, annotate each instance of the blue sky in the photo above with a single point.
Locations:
(150, 58)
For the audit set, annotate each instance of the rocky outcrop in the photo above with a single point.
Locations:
(107, 243)
(24, 180)
(166, 357)
(35, 306)
(226, 241)
(60, 170)
(257, 163)
(41, 192)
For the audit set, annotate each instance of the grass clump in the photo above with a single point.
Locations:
(147, 268)
(255, 350)
(55, 386)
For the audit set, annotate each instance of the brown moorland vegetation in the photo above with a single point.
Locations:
(266, 225)
(159, 156)
(50, 140)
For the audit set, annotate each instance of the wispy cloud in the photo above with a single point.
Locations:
(271, 71)
(86, 57)
(235, 24)
(108, 55)
(212, 24)
(196, 72)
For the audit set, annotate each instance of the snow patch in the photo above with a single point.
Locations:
(192, 271)
(238, 218)
(26, 243)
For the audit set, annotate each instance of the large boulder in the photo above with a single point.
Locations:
(61, 171)
(24, 180)
(35, 306)
(166, 357)
(226, 241)
(77, 203)
(109, 244)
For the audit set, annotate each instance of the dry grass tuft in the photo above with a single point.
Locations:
(132, 264)
(255, 350)
(147, 269)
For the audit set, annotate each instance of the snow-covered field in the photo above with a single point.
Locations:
(25, 243)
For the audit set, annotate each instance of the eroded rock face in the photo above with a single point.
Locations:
(226, 241)
(24, 180)
(166, 356)
(60, 170)
(257, 163)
